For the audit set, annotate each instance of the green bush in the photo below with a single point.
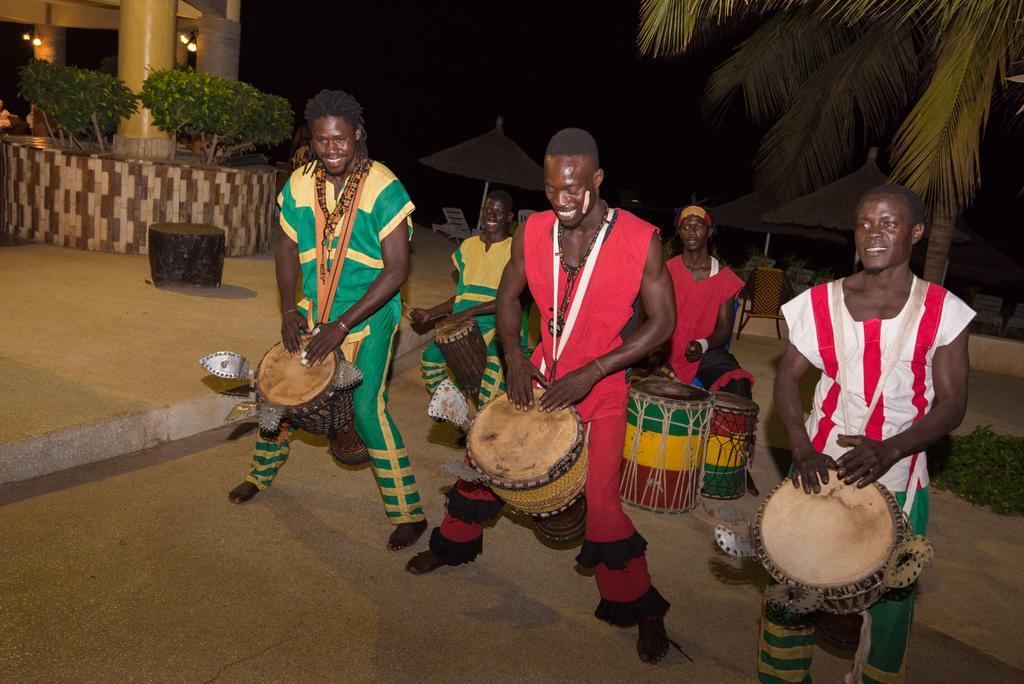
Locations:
(229, 116)
(77, 102)
(982, 467)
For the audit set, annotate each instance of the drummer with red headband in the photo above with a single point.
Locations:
(893, 354)
(706, 294)
(585, 265)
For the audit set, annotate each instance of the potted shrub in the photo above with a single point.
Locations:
(76, 103)
(229, 117)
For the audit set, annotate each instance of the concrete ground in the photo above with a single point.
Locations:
(137, 568)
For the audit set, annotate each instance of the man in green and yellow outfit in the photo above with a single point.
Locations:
(319, 237)
(480, 261)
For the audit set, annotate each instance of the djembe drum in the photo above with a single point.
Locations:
(838, 550)
(667, 426)
(730, 446)
(535, 461)
(565, 527)
(462, 345)
(317, 398)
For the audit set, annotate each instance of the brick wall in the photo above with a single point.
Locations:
(89, 201)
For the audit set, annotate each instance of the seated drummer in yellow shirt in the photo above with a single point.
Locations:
(480, 261)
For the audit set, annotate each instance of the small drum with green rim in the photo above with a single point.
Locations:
(730, 446)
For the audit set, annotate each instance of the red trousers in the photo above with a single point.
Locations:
(606, 521)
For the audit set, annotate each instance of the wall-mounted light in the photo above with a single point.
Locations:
(192, 47)
(184, 38)
(37, 42)
(26, 36)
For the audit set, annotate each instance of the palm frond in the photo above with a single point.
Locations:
(936, 148)
(769, 67)
(668, 27)
(816, 139)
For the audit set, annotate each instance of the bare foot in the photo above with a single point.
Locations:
(652, 642)
(243, 492)
(423, 562)
(406, 534)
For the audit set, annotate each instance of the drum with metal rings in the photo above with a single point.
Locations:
(317, 398)
(848, 545)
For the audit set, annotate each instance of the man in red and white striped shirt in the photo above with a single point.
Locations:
(893, 354)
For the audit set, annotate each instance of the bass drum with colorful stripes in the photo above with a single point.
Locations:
(667, 427)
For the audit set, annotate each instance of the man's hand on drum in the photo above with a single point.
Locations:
(867, 461)
(326, 338)
(570, 388)
(419, 316)
(808, 466)
(519, 376)
(293, 325)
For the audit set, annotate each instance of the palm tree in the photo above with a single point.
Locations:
(833, 75)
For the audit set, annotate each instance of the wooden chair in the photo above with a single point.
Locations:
(766, 291)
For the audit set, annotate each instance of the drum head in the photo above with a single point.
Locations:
(670, 389)
(282, 379)
(727, 401)
(833, 538)
(455, 329)
(521, 445)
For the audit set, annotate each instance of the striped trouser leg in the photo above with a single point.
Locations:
(891, 618)
(433, 367)
(493, 382)
(269, 455)
(374, 424)
(784, 653)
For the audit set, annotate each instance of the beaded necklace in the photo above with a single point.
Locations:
(333, 218)
(571, 275)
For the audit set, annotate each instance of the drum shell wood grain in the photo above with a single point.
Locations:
(464, 350)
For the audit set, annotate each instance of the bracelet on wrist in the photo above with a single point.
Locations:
(341, 324)
(600, 367)
(289, 311)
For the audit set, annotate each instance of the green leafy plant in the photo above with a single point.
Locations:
(228, 116)
(982, 467)
(77, 102)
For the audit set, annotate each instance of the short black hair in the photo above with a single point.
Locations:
(501, 196)
(914, 203)
(340, 104)
(573, 142)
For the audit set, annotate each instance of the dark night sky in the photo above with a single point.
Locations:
(431, 75)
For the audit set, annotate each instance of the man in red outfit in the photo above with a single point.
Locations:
(586, 347)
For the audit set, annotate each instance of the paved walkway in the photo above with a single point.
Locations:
(137, 568)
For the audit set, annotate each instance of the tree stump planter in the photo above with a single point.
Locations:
(190, 253)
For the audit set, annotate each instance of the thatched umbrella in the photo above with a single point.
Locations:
(745, 213)
(492, 158)
(834, 205)
(972, 257)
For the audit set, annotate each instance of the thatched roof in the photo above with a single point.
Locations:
(980, 260)
(745, 213)
(490, 157)
(834, 205)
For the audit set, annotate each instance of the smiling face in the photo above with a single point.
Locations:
(334, 141)
(571, 184)
(885, 234)
(695, 233)
(496, 216)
